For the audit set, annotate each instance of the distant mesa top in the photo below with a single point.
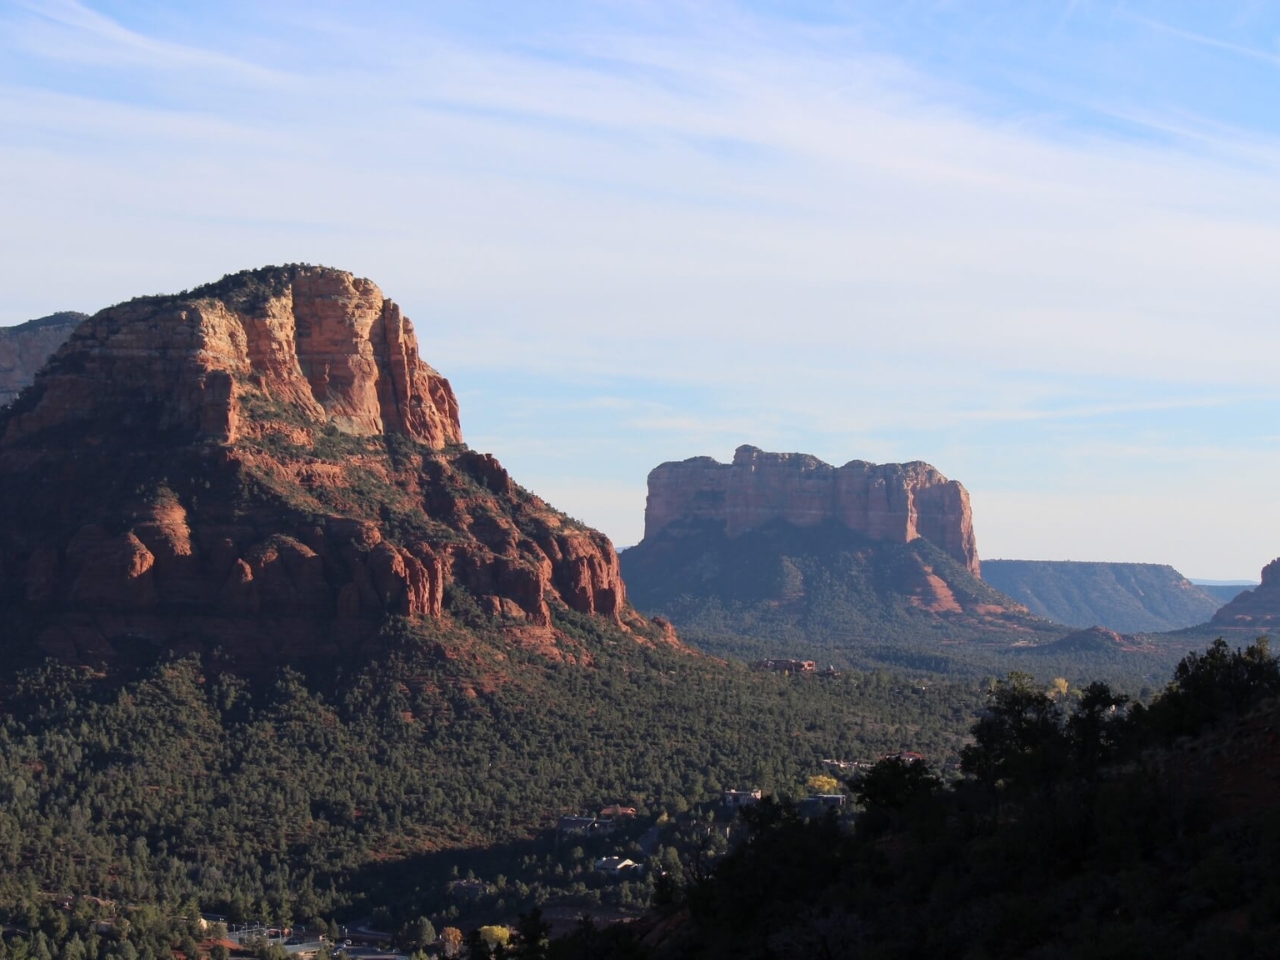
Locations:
(322, 341)
(892, 501)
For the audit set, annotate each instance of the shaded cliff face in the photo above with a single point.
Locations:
(1256, 608)
(265, 466)
(893, 502)
(25, 348)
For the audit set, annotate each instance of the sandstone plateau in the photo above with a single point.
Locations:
(897, 502)
(25, 348)
(265, 466)
(1258, 608)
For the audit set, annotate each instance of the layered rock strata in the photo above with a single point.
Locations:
(893, 502)
(323, 342)
(266, 467)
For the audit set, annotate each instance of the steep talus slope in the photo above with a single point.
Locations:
(25, 348)
(266, 467)
(824, 592)
(1126, 597)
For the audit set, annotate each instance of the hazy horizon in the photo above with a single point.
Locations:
(1033, 247)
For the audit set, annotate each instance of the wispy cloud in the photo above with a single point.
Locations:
(91, 38)
(1214, 43)
(632, 233)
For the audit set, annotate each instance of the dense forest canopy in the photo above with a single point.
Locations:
(414, 795)
(284, 797)
(1085, 826)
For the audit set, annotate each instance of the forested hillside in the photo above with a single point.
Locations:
(1085, 826)
(1126, 597)
(276, 797)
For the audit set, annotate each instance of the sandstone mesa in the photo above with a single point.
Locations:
(895, 501)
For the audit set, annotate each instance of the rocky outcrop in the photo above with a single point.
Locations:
(893, 502)
(25, 348)
(1093, 641)
(1257, 608)
(267, 468)
(324, 343)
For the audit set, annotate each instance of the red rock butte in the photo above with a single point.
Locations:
(893, 501)
(326, 343)
(265, 466)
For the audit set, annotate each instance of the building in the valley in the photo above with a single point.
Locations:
(735, 799)
(617, 811)
(615, 865)
(787, 666)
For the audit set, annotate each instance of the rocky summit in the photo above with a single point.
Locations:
(322, 342)
(266, 467)
(896, 502)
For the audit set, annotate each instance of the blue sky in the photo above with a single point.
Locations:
(1037, 245)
